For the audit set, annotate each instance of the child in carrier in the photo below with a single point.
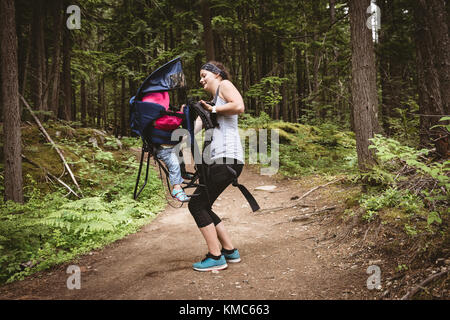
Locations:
(166, 152)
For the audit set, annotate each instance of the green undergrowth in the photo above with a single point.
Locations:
(54, 226)
(405, 179)
(306, 149)
(407, 192)
(407, 189)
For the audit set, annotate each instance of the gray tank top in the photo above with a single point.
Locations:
(226, 142)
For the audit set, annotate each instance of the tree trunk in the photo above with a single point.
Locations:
(388, 95)
(439, 24)
(67, 77)
(37, 61)
(56, 61)
(332, 4)
(207, 30)
(104, 106)
(25, 66)
(99, 102)
(364, 89)
(83, 102)
(43, 56)
(298, 86)
(282, 67)
(429, 85)
(122, 109)
(439, 30)
(90, 110)
(116, 105)
(12, 148)
(73, 110)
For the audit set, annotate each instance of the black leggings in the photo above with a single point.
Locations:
(220, 178)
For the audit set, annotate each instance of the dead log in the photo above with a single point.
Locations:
(49, 139)
(50, 175)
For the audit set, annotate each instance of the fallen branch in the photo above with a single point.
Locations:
(412, 292)
(47, 173)
(318, 187)
(306, 216)
(275, 209)
(49, 139)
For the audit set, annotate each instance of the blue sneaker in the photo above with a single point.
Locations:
(209, 263)
(232, 257)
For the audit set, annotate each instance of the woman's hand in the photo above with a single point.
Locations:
(206, 106)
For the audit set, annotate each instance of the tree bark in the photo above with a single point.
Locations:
(67, 77)
(104, 106)
(207, 30)
(90, 110)
(429, 85)
(23, 75)
(38, 49)
(439, 30)
(83, 102)
(99, 102)
(332, 4)
(364, 89)
(116, 106)
(56, 61)
(122, 109)
(439, 24)
(10, 100)
(387, 103)
(299, 84)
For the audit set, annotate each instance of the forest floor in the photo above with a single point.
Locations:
(304, 251)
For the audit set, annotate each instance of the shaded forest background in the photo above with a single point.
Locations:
(290, 59)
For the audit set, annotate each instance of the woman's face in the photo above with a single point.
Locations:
(207, 78)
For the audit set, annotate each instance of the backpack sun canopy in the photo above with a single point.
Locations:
(144, 111)
(168, 77)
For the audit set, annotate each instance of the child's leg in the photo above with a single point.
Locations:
(170, 159)
(177, 187)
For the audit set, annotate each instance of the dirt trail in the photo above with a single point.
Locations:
(280, 257)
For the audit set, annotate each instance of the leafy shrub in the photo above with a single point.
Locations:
(390, 198)
(413, 176)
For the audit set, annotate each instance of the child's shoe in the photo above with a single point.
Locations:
(180, 195)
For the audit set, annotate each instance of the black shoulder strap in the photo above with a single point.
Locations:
(217, 94)
(214, 115)
(251, 200)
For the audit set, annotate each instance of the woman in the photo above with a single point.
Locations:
(225, 150)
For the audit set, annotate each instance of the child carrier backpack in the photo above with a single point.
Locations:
(154, 123)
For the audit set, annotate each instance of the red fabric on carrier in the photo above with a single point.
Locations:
(166, 123)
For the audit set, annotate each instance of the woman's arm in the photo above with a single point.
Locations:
(198, 125)
(235, 103)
